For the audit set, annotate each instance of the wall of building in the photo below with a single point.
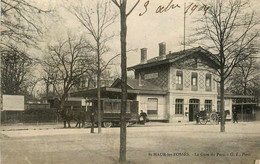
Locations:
(162, 110)
(166, 78)
(187, 80)
(186, 102)
(156, 75)
(186, 93)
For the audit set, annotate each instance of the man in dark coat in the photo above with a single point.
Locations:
(197, 115)
(92, 119)
(235, 118)
(143, 117)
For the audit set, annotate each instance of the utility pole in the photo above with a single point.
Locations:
(184, 26)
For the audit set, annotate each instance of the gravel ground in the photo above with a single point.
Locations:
(152, 143)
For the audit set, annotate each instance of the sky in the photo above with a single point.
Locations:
(145, 31)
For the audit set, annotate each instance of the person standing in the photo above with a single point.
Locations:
(92, 119)
(197, 117)
(143, 117)
(235, 118)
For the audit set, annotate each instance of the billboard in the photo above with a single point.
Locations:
(13, 103)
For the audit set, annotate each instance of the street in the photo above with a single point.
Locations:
(161, 143)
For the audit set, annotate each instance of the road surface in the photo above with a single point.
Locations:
(169, 143)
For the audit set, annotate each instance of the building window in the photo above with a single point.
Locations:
(152, 106)
(208, 105)
(179, 80)
(194, 81)
(179, 106)
(208, 82)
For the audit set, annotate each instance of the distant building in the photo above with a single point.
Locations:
(245, 106)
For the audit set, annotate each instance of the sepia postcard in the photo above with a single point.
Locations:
(130, 81)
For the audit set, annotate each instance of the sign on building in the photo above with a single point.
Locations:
(151, 76)
(13, 103)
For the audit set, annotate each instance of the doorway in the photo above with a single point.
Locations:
(194, 106)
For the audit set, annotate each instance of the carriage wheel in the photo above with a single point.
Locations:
(107, 124)
(203, 121)
(214, 118)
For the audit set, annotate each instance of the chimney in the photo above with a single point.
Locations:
(162, 50)
(143, 55)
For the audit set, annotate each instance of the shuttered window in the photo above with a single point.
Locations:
(152, 106)
(179, 77)
(208, 82)
(194, 79)
(179, 80)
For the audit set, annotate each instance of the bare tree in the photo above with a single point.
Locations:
(97, 23)
(20, 21)
(123, 17)
(69, 60)
(229, 31)
(244, 76)
(16, 70)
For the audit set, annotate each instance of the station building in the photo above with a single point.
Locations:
(170, 87)
(187, 79)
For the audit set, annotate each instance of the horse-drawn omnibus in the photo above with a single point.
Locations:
(110, 111)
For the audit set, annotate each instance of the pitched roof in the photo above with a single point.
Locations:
(174, 57)
(134, 88)
(134, 84)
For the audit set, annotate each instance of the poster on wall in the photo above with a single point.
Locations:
(13, 103)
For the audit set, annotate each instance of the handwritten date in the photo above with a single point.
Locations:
(188, 9)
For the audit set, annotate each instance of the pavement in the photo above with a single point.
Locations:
(45, 126)
(149, 143)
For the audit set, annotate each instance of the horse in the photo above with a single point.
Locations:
(219, 115)
(69, 113)
(80, 117)
(65, 114)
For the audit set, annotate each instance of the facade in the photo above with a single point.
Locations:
(187, 79)
(173, 87)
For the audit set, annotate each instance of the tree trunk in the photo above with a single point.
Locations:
(122, 158)
(245, 88)
(1, 103)
(47, 88)
(222, 107)
(98, 90)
